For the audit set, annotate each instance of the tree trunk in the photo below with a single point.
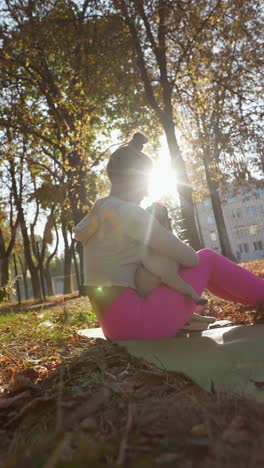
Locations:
(6, 250)
(184, 187)
(26, 241)
(25, 285)
(165, 110)
(67, 288)
(24, 274)
(49, 282)
(32, 268)
(198, 224)
(79, 250)
(4, 268)
(80, 191)
(34, 275)
(68, 254)
(218, 214)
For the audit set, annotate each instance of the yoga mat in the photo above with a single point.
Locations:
(230, 357)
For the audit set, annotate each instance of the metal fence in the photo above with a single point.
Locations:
(22, 288)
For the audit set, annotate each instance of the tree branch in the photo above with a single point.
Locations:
(140, 55)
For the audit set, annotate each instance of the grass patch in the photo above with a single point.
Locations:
(41, 339)
(54, 324)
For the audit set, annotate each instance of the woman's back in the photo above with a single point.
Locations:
(111, 256)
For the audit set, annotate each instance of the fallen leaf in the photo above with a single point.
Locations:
(29, 372)
(237, 431)
(20, 383)
(259, 315)
(7, 359)
(42, 372)
(235, 436)
(76, 336)
(35, 348)
(199, 430)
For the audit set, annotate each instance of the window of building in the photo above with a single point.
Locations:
(251, 211)
(243, 248)
(241, 231)
(254, 229)
(236, 213)
(210, 219)
(213, 235)
(246, 197)
(258, 245)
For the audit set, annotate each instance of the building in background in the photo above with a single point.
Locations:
(243, 209)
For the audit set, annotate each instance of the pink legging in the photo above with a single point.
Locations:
(164, 311)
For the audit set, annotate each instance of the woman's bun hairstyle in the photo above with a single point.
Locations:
(129, 160)
(139, 139)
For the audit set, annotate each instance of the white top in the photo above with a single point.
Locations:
(114, 237)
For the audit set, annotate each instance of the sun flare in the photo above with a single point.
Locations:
(162, 181)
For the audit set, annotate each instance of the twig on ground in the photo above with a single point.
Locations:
(52, 462)
(27, 407)
(122, 449)
(59, 415)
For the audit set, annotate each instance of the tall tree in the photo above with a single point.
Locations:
(218, 91)
(8, 230)
(150, 26)
(61, 64)
(17, 181)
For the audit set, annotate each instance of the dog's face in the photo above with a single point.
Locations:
(160, 212)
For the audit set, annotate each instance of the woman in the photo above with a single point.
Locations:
(113, 252)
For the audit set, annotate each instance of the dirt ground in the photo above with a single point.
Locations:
(104, 408)
(72, 402)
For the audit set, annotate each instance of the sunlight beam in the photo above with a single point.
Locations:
(163, 180)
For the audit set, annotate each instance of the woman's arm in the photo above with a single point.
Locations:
(145, 281)
(142, 226)
(86, 228)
